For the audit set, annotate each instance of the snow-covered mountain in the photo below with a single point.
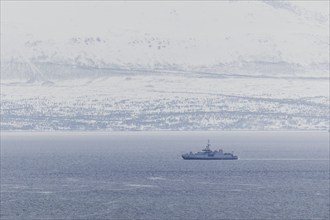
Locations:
(258, 38)
(165, 66)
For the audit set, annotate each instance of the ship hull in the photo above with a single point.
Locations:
(209, 158)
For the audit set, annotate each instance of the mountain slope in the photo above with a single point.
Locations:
(114, 66)
(253, 38)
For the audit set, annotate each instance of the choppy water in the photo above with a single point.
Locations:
(280, 175)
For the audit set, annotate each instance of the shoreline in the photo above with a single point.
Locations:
(9, 133)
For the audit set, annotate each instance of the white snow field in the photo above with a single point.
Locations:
(237, 65)
(168, 102)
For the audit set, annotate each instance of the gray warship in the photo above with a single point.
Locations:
(208, 154)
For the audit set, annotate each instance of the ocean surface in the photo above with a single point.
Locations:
(280, 175)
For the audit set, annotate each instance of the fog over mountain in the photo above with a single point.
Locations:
(165, 65)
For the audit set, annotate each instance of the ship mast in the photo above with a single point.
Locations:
(207, 148)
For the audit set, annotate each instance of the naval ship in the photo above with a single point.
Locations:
(208, 154)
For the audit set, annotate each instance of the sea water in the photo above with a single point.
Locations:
(279, 175)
